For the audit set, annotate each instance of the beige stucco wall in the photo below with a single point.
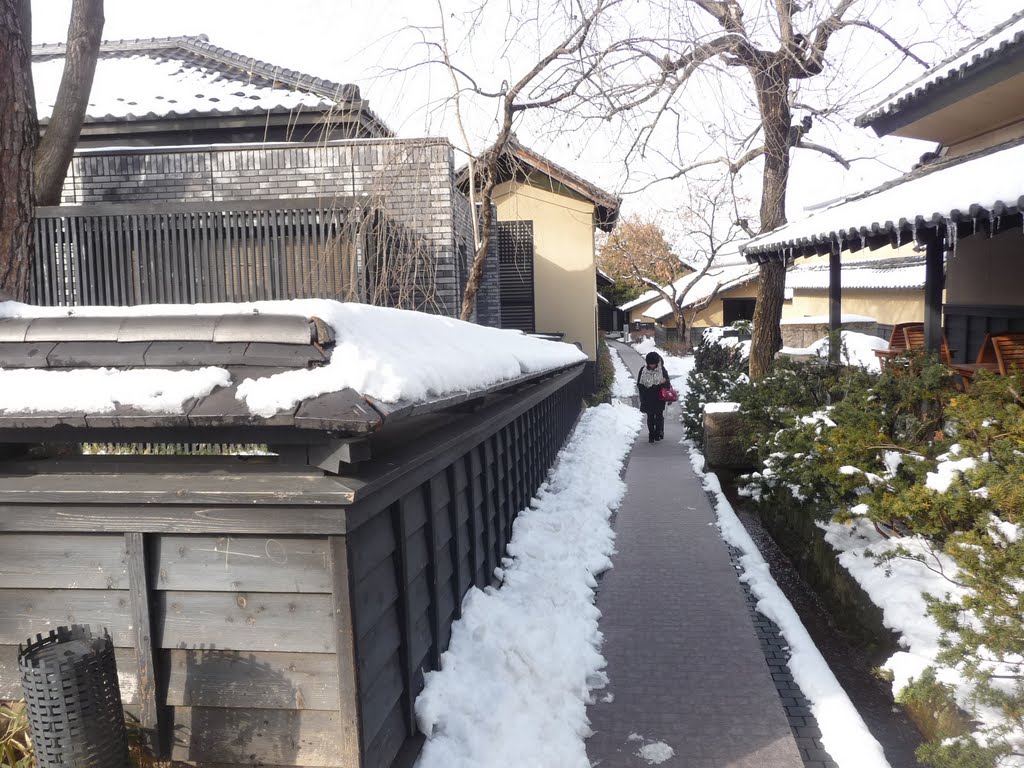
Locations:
(887, 307)
(636, 314)
(987, 270)
(564, 273)
(713, 315)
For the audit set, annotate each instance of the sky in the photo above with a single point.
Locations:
(375, 46)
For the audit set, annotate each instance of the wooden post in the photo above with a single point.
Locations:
(150, 719)
(835, 302)
(933, 282)
(350, 726)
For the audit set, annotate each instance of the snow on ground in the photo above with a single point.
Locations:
(524, 659)
(388, 354)
(624, 384)
(717, 336)
(843, 732)
(898, 589)
(856, 349)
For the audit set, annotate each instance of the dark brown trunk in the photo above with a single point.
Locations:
(772, 87)
(58, 143)
(18, 134)
(476, 272)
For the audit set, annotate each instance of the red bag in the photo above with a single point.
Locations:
(668, 394)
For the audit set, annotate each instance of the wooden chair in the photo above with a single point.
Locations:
(1001, 353)
(907, 337)
(1009, 351)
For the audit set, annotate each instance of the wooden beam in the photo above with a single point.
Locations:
(933, 284)
(152, 717)
(835, 302)
(349, 733)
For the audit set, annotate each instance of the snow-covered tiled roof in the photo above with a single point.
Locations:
(1004, 39)
(189, 77)
(971, 187)
(885, 274)
(702, 287)
(643, 298)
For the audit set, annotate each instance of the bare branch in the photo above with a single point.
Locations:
(827, 151)
(888, 38)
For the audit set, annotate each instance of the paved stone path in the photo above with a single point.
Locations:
(686, 668)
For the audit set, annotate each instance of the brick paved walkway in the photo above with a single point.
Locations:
(685, 666)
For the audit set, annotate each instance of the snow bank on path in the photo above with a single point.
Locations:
(516, 679)
(898, 589)
(857, 349)
(624, 384)
(843, 733)
(388, 354)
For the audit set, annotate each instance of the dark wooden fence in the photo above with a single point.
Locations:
(184, 253)
(265, 612)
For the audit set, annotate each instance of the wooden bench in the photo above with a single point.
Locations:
(1001, 353)
(909, 337)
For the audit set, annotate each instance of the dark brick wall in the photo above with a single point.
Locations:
(411, 180)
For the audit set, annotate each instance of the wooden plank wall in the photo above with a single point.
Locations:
(144, 255)
(967, 326)
(413, 563)
(237, 650)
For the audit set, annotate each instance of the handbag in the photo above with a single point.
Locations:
(668, 394)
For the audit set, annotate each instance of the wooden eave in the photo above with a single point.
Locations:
(925, 114)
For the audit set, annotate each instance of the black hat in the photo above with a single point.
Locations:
(652, 358)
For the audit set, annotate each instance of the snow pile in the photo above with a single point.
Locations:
(387, 354)
(514, 684)
(724, 407)
(899, 589)
(843, 732)
(101, 390)
(652, 752)
(717, 336)
(624, 384)
(856, 349)
(949, 469)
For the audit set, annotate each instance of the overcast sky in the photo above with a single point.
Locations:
(359, 41)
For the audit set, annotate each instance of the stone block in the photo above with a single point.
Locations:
(724, 446)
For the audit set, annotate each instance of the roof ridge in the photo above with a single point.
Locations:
(909, 91)
(201, 46)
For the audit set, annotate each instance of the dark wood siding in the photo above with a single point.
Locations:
(260, 645)
(515, 262)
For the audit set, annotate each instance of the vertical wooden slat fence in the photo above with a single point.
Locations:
(185, 253)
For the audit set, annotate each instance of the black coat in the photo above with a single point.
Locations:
(650, 402)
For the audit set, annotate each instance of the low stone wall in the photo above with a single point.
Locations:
(724, 447)
(802, 335)
(795, 531)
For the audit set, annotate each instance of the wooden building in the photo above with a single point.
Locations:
(962, 204)
(275, 586)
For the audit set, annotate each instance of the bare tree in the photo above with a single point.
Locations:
(57, 144)
(18, 135)
(711, 225)
(19, 128)
(554, 77)
(775, 46)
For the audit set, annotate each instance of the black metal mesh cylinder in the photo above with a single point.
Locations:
(74, 705)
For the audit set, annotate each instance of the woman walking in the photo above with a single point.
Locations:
(651, 378)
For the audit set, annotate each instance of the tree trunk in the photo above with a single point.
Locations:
(680, 326)
(772, 87)
(58, 143)
(18, 134)
(476, 272)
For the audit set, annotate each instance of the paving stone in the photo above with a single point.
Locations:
(684, 659)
